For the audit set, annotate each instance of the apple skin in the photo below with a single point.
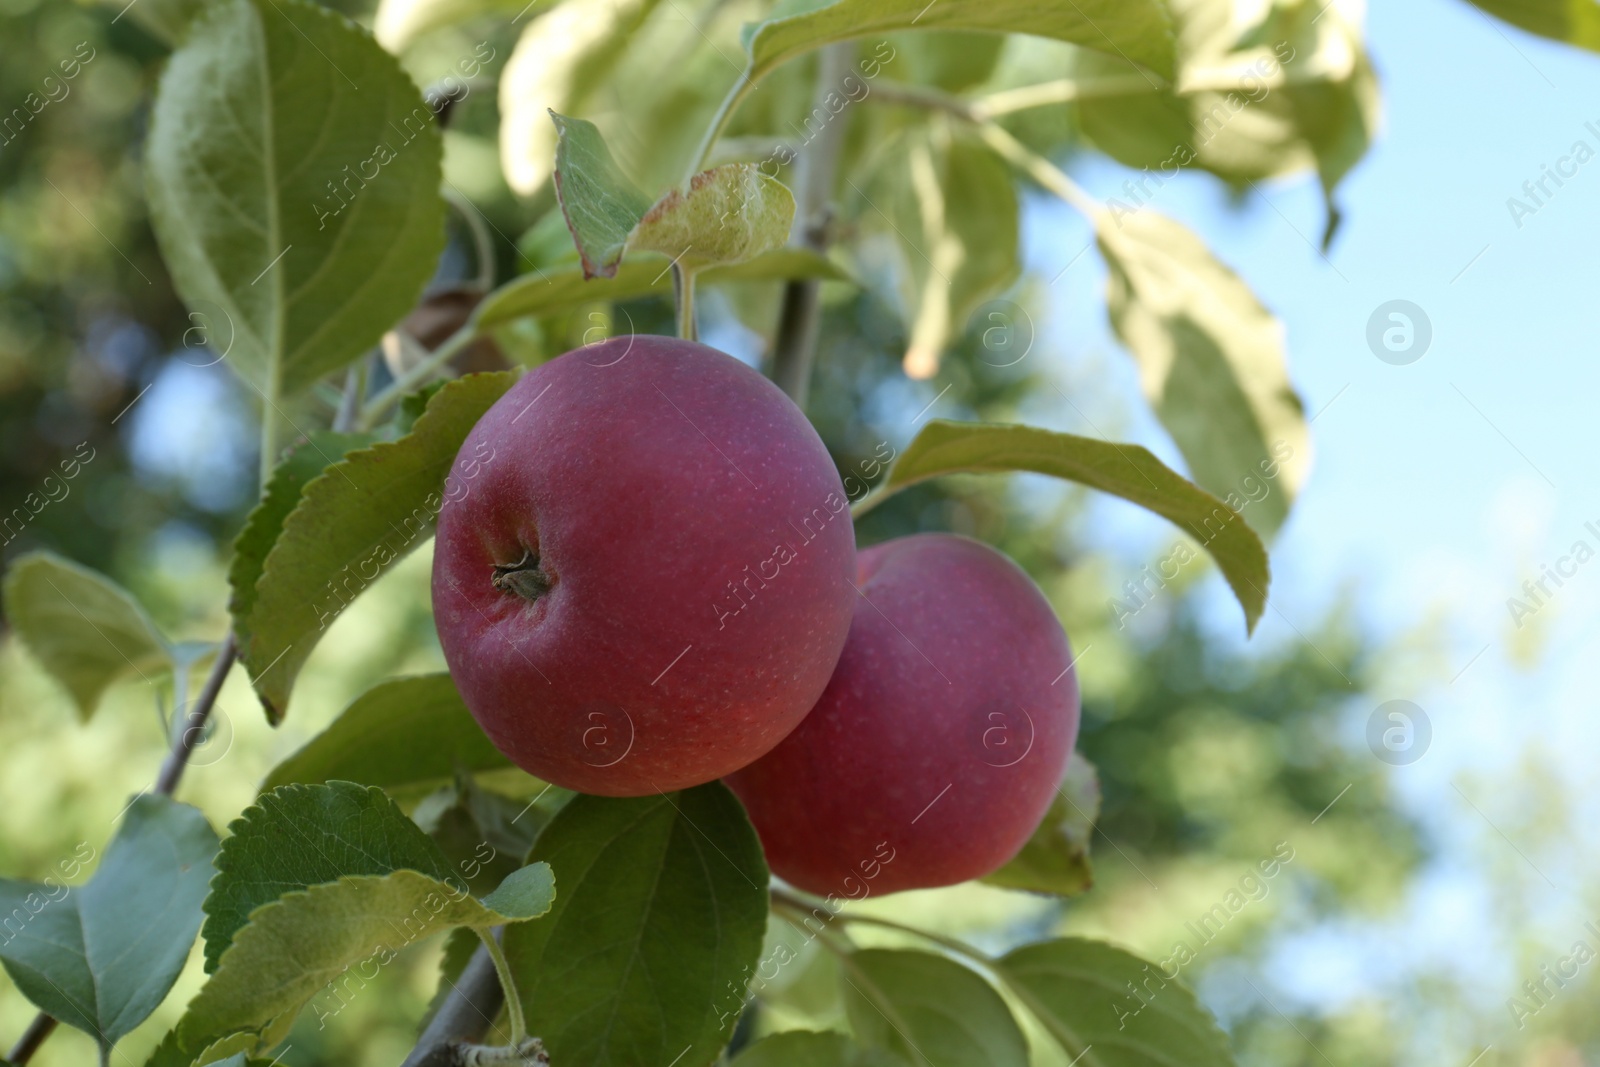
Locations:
(694, 555)
(938, 744)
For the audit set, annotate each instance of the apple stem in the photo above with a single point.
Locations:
(683, 297)
(524, 578)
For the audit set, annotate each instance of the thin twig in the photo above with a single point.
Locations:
(41, 1027)
(188, 738)
(417, 375)
(795, 346)
(464, 1017)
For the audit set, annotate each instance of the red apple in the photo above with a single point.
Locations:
(937, 746)
(642, 574)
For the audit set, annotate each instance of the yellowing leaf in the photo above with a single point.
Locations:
(84, 629)
(1211, 362)
(728, 214)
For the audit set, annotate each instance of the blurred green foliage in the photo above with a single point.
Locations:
(1209, 758)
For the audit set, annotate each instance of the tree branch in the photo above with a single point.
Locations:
(464, 1017)
(795, 345)
(188, 738)
(41, 1027)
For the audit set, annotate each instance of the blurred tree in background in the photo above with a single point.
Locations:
(1209, 758)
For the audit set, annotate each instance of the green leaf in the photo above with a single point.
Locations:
(1056, 858)
(660, 922)
(560, 289)
(931, 1010)
(401, 733)
(600, 203)
(295, 947)
(563, 57)
(1138, 29)
(353, 522)
(1331, 88)
(1128, 471)
(1082, 991)
(483, 834)
(261, 529)
(1572, 21)
(103, 955)
(805, 1048)
(293, 172)
(400, 22)
(948, 201)
(304, 835)
(727, 214)
(525, 894)
(1211, 362)
(84, 629)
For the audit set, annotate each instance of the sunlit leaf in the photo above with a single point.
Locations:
(1573, 21)
(562, 57)
(1128, 471)
(304, 835)
(549, 290)
(353, 522)
(297, 249)
(727, 214)
(307, 460)
(1110, 1008)
(1138, 29)
(83, 628)
(947, 201)
(400, 22)
(294, 948)
(1211, 362)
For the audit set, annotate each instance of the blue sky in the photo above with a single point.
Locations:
(1440, 486)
